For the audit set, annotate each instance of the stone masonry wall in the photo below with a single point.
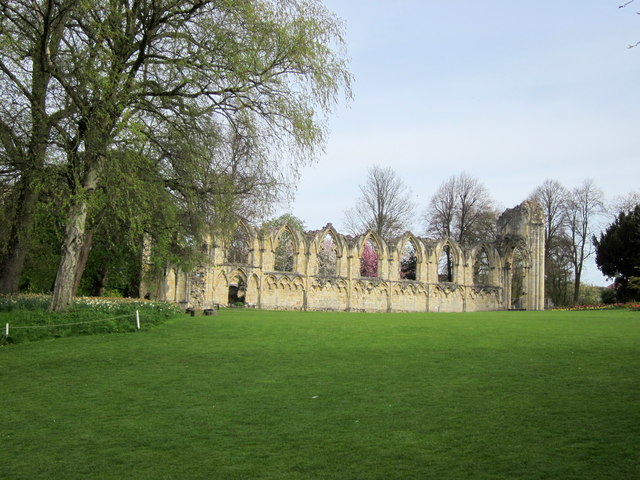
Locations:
(517, 252)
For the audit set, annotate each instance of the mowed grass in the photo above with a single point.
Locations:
(290, 395)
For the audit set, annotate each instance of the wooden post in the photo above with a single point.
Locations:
(137, 320)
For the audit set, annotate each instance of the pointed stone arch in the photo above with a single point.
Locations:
(337, 238)
(329, 248)
(371, 254)
(449, 256)
(252, 297)
(481, 268)
(410, 257)
(240, 246)
(237, 287)
(286, 245)
(298, 284)
(519, 273)
(517, 266)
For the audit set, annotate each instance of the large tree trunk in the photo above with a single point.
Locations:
(70, 259)
(82, 262)
(12, 263)
(63, 290)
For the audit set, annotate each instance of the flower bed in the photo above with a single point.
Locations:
(602, 306)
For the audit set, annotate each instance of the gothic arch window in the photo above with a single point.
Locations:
(445, 264)
(238, 248)
(283, 261)
(369, 259)
(408, 262)
(327, 256)
(481, 268)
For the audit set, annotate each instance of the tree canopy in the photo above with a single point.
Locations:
(618, 253)
(212, 93)
(461, 209)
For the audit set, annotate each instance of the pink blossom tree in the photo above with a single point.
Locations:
(327, 257)
(369, 260)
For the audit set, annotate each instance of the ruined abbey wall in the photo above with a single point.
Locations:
(325, 270)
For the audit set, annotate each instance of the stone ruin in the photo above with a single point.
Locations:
(288, 269)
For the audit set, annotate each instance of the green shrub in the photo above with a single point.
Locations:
(608, 295)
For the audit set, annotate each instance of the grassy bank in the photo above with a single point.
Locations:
(29, 318)
(289, 395)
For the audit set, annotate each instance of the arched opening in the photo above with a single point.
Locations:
(327, 256)
(283, 261)
(237, 291)
(408, 262)
(238, 247)
(445, 264)
(518, 293)
(481, 268)
(369, 260)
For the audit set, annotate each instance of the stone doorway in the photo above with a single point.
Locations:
(237, 292)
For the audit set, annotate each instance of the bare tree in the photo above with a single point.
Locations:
(624, 203)
(584, 204)
(384, 206)
(441, 214)
(552, 196)
(626, 4)
(461, 209)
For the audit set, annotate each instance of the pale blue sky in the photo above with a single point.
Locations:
(512, 92)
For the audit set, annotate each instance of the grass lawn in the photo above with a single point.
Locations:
(289, 395)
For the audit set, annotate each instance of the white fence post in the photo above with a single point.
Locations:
(6, 330)
(137, 320)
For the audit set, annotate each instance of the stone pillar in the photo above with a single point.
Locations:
(536, 245)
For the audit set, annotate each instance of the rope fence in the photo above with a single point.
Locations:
(19, 327)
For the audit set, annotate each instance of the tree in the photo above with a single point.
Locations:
(618, 253)
(461, 209)
(369, 260)
(408, 262)
(384, 205)
(327, 257)
(583, 206)
(625, 203)
(31, 36)
(128, 70)
(288, 218)
(559, 272)
(131, 203)
(552, 196)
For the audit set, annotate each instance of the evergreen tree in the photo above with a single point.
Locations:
(618, 254)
